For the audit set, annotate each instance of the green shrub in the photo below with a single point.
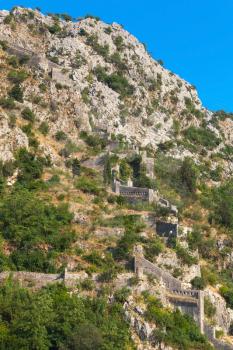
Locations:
(66, 17)
(198, 283)
(13, 61)
(93, 140)
(27, 114)
(87, 284)
(3, 45)
(202, 137)
(119, 42)
(174, 329)
(122, 294)
(53, 315)
(92, 17)
(43, 87)
(209, 308)
(17, 77)
(184, 256)
(115, 81)
(7, 103)
(227, 293)
(30, 167)
(35, 222)
(8, 19)
(79, 60)
(70, 147)
(55, 28)
(115, 58)
(189, 174)
(16, 93)
(60, 136)
(108, 30)
(44, 128)
(76, 167)
(153, 248)
(222, 204)
(33, 142)
(92, 41)
(88, 185)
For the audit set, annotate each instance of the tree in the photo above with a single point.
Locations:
(76, 167)
(189, 174)
(107, 170)
(125, 170)
(223, 204)
(87, 337)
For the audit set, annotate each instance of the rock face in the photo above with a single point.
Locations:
(224, 315)
(99, 78)
(10, 138)
(102, 79)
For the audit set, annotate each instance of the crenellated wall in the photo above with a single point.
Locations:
(134, 193)
(188, 301)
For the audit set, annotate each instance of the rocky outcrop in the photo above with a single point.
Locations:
(11, 138)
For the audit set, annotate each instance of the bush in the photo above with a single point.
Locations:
(153, 248)
(87, 284)
(119, 42)
(198, 283)
(27, 114)
(222, 204)
(36, 223)
(115, 81)
(227, 293)
(209, 308)
(185, 257)
(202, 137)
(17, 77)
(16, 93)
(189, 174)
(13, 61)
(174, 329)
(55, 28)
(70, 147)
(60, 136)
(93, 140)
(44, 128)
(88, 185)
(53, 315)
(3, 45)
(7, 103)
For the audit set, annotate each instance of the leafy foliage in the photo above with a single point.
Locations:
(35, 224)
(202, 136)
(175, 329)
(115, 81)
(52, 318)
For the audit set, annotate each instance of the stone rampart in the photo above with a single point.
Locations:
(33, 279)
(134, 193)
(144, 266)
(39, 280)
(188, 301)
(218, 344)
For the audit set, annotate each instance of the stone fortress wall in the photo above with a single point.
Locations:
(134, 193)
(39, 280)
(190, 302)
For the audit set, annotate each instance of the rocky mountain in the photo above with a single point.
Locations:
(91, 122)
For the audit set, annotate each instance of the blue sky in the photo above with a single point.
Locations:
(194, 38)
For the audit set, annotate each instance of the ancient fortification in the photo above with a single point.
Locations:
(190, 302)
